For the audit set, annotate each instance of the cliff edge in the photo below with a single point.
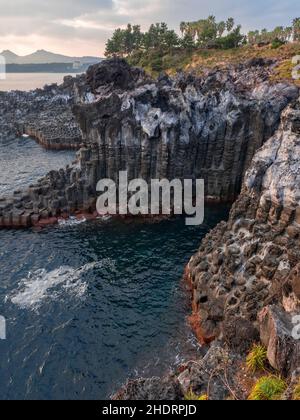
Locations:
(245, 280)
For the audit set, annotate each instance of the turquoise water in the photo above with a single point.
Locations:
(89, 305)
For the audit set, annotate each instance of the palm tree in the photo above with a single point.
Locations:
(288, 33)
(230, 24)
(183, 26)
(265, 36)
(296, 29)
(254, 37)
(221, 28)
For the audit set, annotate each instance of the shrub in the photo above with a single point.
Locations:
(277, 43)
(268, 388)
(191, 396)
(257, 359)
(156, 63)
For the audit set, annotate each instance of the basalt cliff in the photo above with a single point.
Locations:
(187, 127)
(245, 281)
(240, 133)
(45, 114)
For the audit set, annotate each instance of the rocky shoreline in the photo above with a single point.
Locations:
(241, 134)
(245, 280)
(187, 127)
(44, 114)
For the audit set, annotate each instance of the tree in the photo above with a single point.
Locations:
(279, 33)
(296, 29)
(221, 27)
(183, 27)
(137, 37)
(253, 37)
(208, 30)
(233, 40)
(230, 24)
(124, 41)
(288, 33)
(170, 40)
(115, 45)
(187, 42)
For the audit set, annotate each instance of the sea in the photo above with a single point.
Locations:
(88, 305)
(30, 81)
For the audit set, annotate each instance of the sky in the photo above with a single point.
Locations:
(81, 27)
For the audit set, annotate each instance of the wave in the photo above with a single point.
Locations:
(41, 285)
(71, 221)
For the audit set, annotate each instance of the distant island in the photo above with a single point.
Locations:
(44, 61)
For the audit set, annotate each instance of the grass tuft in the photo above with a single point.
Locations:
(268, 388)
(257, 359)
(191, 396)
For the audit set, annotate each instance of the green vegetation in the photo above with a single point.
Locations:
(204, 33)
(208, 33)
(278, 35)
(163, 49)
(191, 396)
(257, 359)
(268, 388)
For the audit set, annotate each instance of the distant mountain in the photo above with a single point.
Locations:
(9, 56)
(46, 57)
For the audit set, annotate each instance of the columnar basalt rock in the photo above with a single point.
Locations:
(233, 129)
(245, 279)
(252, 261)
(44, 114)
(187, 127)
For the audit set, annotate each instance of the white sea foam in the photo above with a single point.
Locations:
(71, 221)
(41, 286)
(105, 218)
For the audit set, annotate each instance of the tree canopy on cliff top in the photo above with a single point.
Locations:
(161, 48)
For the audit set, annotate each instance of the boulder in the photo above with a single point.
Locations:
(115, 73)
(276, 333)
(239, 334)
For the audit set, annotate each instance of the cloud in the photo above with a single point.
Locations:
(80, 27)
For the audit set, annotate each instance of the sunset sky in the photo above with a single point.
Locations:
(81, 27)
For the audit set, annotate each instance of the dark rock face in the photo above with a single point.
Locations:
(252, 261)
(45, 114)
(239, 334)
(114, 74)
(154, 389)
(193, 128)
(211, 128)
(189, 127)
(276, 328)
(245, 276)
(206, 377)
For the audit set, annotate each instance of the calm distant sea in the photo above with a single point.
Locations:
(29, 81)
